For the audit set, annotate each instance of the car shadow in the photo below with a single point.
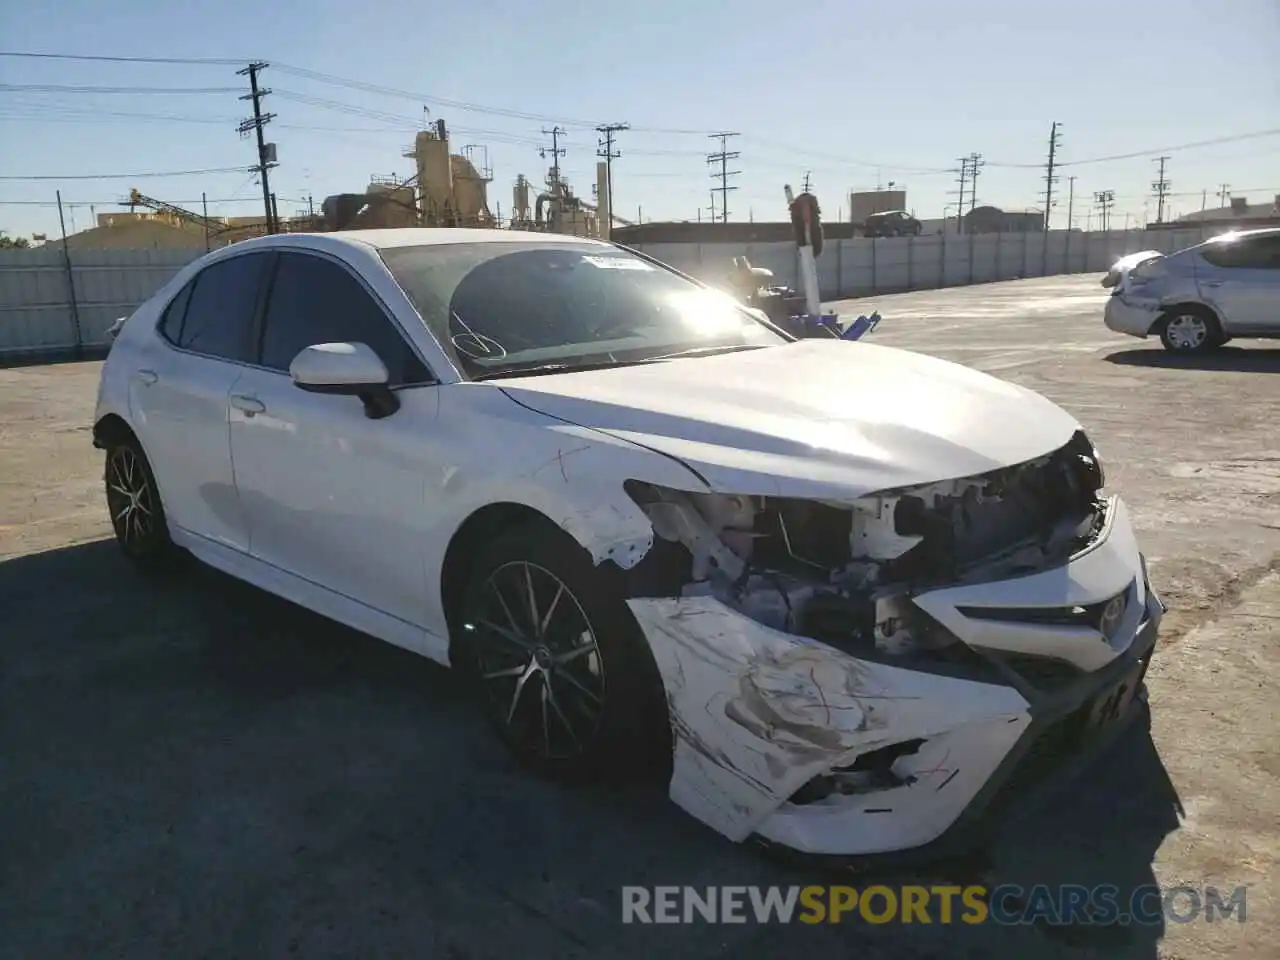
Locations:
(183, 741)
(1232, 359)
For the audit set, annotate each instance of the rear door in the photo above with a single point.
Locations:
(1241, 279)
(179, 395)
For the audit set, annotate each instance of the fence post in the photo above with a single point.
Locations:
(1023, 271)
(1066, 253)
(971, 235)
(839, 269)
(911, 263)
(71, 280)
(942, 258)
(874, 286)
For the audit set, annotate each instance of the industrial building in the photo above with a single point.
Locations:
(447, 189)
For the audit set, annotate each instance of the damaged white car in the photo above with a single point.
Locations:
(843, 591)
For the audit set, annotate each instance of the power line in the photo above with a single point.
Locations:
(63, 88)
(213, 61)
(1161, 188)
(723, 157)
(128, 176)
(266, 152)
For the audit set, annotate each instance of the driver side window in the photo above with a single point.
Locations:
(312, 301)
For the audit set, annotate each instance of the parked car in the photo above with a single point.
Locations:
(1199, 298)
(834, 591)
(891, 223)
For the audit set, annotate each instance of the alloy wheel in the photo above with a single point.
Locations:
(129, 496)
(1187, 331)
(538, 660)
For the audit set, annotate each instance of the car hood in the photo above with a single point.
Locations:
(823, 419)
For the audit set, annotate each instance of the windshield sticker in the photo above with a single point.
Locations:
(617, 263)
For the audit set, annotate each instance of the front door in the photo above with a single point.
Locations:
(178, 396)
(332, 496)
(1241, 279)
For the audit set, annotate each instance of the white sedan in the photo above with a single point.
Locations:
(838, 590)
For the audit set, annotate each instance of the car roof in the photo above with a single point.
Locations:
(1255, 232)
(411, 237)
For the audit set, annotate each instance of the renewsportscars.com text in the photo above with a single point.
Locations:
(1006, 905)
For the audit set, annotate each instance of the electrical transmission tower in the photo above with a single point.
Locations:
(1050, 177)
(1105, 199)
(1161, 188)
(266, 151)
(556, 152)
(605, 150)
(724, 173)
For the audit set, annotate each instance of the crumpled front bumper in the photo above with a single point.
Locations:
(757, 714)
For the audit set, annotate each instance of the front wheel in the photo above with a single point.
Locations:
(1190, 330)
(137, 515)
(559, 665)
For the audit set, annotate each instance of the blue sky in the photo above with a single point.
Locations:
(853, 92)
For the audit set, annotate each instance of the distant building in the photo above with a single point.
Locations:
(1239, 210)
(864, 203)
(988, 219)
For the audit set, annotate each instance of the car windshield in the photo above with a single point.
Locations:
(506, 308)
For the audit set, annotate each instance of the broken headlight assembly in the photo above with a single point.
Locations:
(845, 572)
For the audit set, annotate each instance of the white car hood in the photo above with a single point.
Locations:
(821, 419)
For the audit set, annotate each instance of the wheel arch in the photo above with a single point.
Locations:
(481, 526)
(112, 428)
(1195, 306)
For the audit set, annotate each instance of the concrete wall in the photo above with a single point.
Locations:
(36, 293)
(36, 313)
(862, 266)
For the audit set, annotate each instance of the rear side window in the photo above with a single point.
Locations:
(171, 322)
(221, 308)
(1248, 253)
(314, 300)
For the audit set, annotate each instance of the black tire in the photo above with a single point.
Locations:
(1190, 330)
(133, 503)
(591, 704)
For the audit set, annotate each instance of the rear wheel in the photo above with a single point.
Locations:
(1190, 330)
(137, 515)
(559, 665)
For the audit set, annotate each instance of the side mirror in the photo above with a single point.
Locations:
(349, 370)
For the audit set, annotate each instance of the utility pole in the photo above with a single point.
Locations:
(556, 151)
(1224, 194)
(724, 173)
(1055, 140)
(606, 151)
(976, 163)
(1161, 187)
(266, 151)
(1105, 200)
(1071, 202)
(961, 180)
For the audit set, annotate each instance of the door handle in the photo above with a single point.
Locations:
(249, 406)
(1211, 283)
(146, 377)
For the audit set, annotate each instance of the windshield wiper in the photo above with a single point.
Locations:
(705, 351)
(543, 368)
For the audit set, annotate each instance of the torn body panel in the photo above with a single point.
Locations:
(846, 677)
(758, 713)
